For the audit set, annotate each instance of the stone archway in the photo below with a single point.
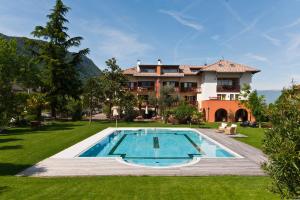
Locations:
(221, 115)
(241, 115)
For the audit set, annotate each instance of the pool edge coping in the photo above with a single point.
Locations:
(75, 150)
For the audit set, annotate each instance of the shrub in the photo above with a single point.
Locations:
(130, 115)
(282, 145)
(183, 113)
(197, 117)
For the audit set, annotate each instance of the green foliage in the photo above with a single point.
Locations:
(35, 104)
(184, 112)
(74, 106)
(86, 67)
(282, 145)
(254, 102)
(197, 117)
(93, 95)
(167, 98)
(61, 80)
(10, 61)
(127, 104)
(114, 81)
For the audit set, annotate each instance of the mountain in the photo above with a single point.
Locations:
(86, 68)
(270, 95)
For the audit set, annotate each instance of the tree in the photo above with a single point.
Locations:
(35, 104)
(254, 102)
(184, 112)
(127, 104)
(282, 145)
(114, 82)
(167, 98)
(93, 95)
(61, 80)
(10, 63)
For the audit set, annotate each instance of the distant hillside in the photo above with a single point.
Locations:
(270, 95)
(86, 68)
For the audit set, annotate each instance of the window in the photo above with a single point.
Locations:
(195, 70)
(237, 97)
(232, 97)
(146, 84)
(225, 82)
(148, 69)
(188, 85)
(190, 98)
(221, 96)
(171, 83)
(131, 85)
(170, 70)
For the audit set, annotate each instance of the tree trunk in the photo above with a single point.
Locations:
(53, 110)
(39, 113)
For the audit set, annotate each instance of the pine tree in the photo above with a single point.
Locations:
(61, 80)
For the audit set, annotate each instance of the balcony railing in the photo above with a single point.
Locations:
(190, 89)
(145, 89)
(193, 103)
(228, 88)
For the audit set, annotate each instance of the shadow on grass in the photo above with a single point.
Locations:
(12, 147)
(3, 189)
(7, 169)
(46, 128)
(9, 140)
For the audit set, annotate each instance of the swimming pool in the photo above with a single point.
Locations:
(157, 147)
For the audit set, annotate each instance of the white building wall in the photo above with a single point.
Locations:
(209, 84)
(208, 87)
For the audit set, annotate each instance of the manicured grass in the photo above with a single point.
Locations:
(23, 147)
(255, 136)
(224, 187)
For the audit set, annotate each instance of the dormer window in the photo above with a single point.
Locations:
(168, 69)
(147, 69)
(195, 70)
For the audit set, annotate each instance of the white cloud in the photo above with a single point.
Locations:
(274, 41)
(257, 57)
(121, 44)
(184, 20)
(112, 42)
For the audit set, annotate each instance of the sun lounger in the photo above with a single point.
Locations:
(221, 128)
(231, 130)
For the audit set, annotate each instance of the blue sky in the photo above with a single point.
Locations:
(262, 33)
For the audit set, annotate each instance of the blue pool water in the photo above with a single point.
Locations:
(156, 147)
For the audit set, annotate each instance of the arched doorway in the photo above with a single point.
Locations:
(221, 115)
(205, 118)
(241, 115)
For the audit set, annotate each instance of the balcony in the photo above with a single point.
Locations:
(193, 103)
(228, 88)
(190, 89)
(145, 89)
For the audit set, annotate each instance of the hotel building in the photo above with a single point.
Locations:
(213, 88)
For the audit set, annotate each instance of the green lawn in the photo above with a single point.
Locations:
(255, 136)
(22, 147)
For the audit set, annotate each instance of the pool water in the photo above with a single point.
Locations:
(156, 147)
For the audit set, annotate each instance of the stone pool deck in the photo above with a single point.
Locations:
(248, 165)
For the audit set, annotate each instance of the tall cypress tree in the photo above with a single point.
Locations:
(61, 80)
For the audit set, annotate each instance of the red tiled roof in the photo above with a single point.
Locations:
(228, 66)
(222, 66)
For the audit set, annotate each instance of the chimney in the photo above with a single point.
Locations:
(138, 63)
(159, 62)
